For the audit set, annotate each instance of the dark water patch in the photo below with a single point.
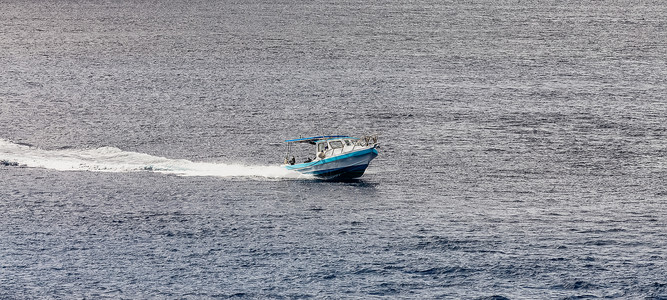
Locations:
(582, 297)
(233, 296)
(494, 297)
(443, 243)
(391, 115)
(368, 271)
(7, 163)
(601, 242)
(25, 144)
(656, 290)
(575, 285)
(384, 289)
(432, 271)
(602, 231)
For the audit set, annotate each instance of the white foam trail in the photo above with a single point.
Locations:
(110, 159)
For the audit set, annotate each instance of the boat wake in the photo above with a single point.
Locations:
(110, 159)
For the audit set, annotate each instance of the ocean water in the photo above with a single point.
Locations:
(523, 149)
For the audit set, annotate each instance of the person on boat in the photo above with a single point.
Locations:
(322, 154)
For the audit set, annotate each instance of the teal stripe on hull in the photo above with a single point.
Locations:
(332, 159)
(346, 166)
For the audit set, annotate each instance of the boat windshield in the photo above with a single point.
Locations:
(336, 144)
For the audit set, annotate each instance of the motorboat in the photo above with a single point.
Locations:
(337, 157)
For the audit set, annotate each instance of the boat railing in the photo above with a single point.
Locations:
(364, 141)
(367, 140)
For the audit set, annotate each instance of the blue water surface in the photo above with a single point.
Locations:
(523, 149)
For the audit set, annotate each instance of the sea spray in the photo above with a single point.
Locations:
(111, 159)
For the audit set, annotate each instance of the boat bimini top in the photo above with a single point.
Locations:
(313, 140)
